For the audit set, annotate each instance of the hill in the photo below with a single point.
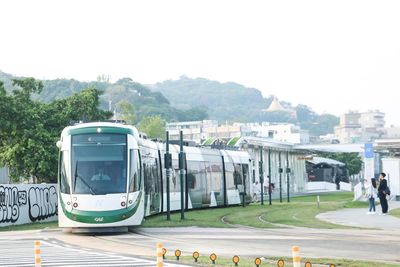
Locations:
(234, 102)
(145, 101)
(189, 99)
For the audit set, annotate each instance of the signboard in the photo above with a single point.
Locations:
(368, 150)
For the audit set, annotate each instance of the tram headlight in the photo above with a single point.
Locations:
(123, 203)
(75, 205)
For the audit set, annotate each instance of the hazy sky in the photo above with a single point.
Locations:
(330, 55)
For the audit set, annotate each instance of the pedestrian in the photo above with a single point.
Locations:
(256, 191)
(371, 194)
(382, 192)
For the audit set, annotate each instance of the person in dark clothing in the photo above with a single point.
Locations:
(382, 194)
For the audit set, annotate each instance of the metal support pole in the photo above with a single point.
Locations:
(261, 175)
(182, 174)
(224, 184)
(280, 177)
(167, 165)
(269, 177)
(287, 176)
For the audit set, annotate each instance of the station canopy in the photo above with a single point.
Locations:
(332, 148)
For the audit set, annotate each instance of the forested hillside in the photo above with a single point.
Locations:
(234, 102)
(144, 101)
(187, 99)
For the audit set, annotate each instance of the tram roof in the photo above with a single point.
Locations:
(115, 126)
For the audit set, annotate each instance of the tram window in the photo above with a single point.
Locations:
(134, 169)
(64, 185)
(237, 175)
(91, 153)
(191, 179)
(229, 174)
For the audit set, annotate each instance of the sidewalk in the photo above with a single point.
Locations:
(360, 218)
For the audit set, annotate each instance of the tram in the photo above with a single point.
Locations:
(111, 176)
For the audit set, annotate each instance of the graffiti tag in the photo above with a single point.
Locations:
(42, 203)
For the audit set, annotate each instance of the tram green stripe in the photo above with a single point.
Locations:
(104, 129)
(101, 217)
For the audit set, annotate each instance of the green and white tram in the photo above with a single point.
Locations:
(111, 177)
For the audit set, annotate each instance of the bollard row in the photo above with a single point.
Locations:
(161, 252)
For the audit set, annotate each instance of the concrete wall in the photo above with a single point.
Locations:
(27, 203)
(4, 179)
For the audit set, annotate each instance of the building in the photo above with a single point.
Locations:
(356, 127)
(223, 131)
(278, 165)
(391, 133)
(285, 132)
(191, 130)
(202, 130)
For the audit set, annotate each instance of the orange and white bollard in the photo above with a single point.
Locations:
(296, 256)
(159, 255)
(38, 260)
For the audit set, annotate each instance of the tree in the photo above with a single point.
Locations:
(352, 160)
(29, 129)
(153, 126)
(127, 111)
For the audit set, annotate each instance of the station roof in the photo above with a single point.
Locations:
(333, 148)
(317, 160)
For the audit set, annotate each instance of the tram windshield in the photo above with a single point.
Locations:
(99, 164)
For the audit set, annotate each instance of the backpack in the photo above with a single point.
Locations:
(387, 191)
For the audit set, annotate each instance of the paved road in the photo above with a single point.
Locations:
(362, 244)
(19, 253)
(360, 218)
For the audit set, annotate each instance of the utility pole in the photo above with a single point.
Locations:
(269, 177)
(182, 174)
(260, 163)
(167, 165)
(280, 177)
(287, 175)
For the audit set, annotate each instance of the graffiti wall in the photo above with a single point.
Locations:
(27, 203)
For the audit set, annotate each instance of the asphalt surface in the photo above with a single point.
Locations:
(360, 218)
(380, 242)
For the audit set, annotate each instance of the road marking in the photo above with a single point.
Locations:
(19, 253)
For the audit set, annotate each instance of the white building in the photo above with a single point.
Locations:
(278, 132)
(392, 133)
(201, 130)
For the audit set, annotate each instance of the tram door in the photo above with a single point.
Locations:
(152, 180)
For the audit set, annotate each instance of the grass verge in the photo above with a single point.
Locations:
(272, 261)
(301, 212)
(30, 226)
(395, 212)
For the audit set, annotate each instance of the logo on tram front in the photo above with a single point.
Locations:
(99, 219)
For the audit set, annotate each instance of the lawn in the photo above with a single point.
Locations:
(30, 226)
(272, 261)
(301, 211)
(395, 212)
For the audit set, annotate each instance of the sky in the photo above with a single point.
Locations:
(333, 56)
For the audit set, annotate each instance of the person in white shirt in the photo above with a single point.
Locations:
(371, 194)
(100, 176)
(256, 191)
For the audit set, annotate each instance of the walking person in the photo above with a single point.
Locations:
(371, 194)
(382, 193)
(256, 191)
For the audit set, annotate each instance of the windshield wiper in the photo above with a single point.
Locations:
(92, 191)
